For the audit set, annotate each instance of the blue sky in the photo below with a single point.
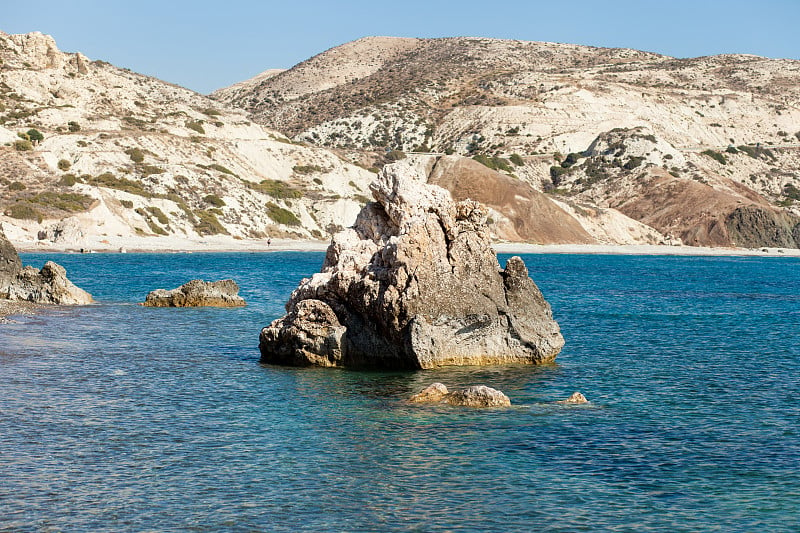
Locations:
(206, 45)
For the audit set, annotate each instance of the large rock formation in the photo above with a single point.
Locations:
(414, 284)
(197, 293)
(48, 285)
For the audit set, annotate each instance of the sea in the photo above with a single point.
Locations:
(116, 417)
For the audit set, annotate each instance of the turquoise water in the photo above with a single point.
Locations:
(118, 417)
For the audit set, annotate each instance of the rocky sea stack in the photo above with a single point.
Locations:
(46, 286)
(414, 284)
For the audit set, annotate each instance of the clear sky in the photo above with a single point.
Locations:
(206, 45)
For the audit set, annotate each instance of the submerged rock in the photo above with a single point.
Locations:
(414, 284)
(575, 398)
(197, 293)
(47, 286)
(475, 396)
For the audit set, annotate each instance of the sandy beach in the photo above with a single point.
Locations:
(221, 243)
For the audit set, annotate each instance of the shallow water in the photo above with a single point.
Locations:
(119, 417)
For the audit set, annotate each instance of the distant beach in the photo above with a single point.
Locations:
(221, 243)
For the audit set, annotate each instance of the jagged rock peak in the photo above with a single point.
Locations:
(414, 284)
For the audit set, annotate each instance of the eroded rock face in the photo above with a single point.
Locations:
(46, 286)
(10, 263)
(414, 284)
(197, 293)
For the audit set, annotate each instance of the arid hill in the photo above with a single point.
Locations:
(730, 126)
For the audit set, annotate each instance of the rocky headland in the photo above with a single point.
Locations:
(414, 284)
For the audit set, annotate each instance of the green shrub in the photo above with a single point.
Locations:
(716, 156)
(24, 136)
(68, 180)
(213, 199)
(394, 155)
(107, 179)
(556, 174)
(35, 136)
(126, 204)
(220, 168)
(24, 212)
(281, 215)
(495, 163)
(63, 164)
(136, 154)
(73, 126)
(570, 160)
(211, 112)
(196, 125)
(516, 159)
(208, 224)
(276, 189)
(23, 146)
(65, 201)
(159, 214)
(307, 169)
(633, 162)
(732, 150)
(148, 170)
(16, 186)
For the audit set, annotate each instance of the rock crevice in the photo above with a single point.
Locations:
(414, 284)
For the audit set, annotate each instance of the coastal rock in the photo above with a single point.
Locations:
(575, 398)
(414, 284)
(478, 396)
(10, 263)
(197, 293)
(433, 393)
(48, 285)
(474, 396)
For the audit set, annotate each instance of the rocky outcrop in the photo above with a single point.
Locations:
(10, 263)
(47, 286)
(197, 293)
(414, 284)
(576, 398)
(474, 396)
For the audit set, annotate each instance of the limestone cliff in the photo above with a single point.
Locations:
(414, 284)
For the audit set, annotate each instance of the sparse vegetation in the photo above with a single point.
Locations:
(35, 136)
(394, 155)
(214, 200)
(68, 180)
(73, 126)
(136, 154)
(307, 169)
(211, 112)
(126, 204)
(107, 179)
(16, 186)
(208, 224)
(148, 170)
(63, 164)
(23, 211)
(516, 159)
(65, 201)
(281, 215)
(23, 146)
(196, 125)
(276, 189)
(633, 162)
(716, 156)
(495, 163)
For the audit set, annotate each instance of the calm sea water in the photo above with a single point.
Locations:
(117, 417)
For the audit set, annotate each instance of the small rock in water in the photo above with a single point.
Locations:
(575, 398)
(435, 392)
(197, 293)
(475, 396)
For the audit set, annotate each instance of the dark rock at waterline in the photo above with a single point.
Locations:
(197, 293)
(414, 284)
